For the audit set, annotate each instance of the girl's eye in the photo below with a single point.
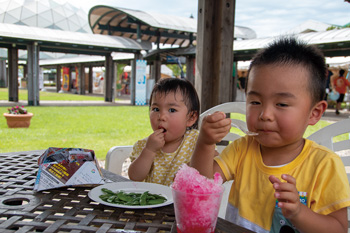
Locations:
(155, 109)
(172, 110)
(254, 103)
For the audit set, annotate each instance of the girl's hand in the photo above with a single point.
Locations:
(214, 128)
(287, 195)
(155, 141)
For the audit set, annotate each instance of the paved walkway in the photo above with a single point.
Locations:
(68, 103)
(329, 115)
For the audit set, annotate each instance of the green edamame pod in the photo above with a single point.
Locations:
(155, 201)
(143, 198)
(124, 198)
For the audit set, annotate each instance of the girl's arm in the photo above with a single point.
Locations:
(141, 166)
(214, 128)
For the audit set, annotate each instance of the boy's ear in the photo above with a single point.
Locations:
(317, 112)
(192, 118)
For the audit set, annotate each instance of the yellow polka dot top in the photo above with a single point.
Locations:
(165, 165)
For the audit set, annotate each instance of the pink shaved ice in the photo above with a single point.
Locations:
(189, 180)
(196, 200)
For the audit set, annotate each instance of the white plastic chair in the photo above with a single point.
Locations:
(229, 107)
(116, 157)
(325, 137)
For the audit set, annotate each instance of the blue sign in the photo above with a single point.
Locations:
(140, 94)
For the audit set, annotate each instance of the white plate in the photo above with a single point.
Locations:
(137, 187)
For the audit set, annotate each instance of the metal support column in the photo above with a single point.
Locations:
(82, 79)
(58, 78)
(13, 73)
(33, 74)
(3, 76)
(90, 79)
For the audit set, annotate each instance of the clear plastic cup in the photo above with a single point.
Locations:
(196, 213)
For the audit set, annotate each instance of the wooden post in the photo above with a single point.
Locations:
(190, 63)
(109, 79)
(214, 56)
(156, 70)
(13, 74)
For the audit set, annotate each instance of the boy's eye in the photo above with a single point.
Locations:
(282, 105)
(155, 109)
(172, 110)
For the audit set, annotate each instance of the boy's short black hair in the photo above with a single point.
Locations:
(290, 51)
(341, 72)
(189, 93)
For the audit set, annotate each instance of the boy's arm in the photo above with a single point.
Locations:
(140, 167)
(214, 127)
(302, 217)
(311, 222)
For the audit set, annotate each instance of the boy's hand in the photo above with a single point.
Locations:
(155, 141)
(214, 128)
(287, 195)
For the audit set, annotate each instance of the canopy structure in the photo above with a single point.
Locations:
(34, 39)
(67, 42)
(333, 43)
(152, 27)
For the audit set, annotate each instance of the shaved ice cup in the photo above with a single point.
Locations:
(196, 212)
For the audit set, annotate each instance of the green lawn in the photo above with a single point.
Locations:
(96, 128)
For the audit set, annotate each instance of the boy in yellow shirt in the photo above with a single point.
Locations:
(282, 182)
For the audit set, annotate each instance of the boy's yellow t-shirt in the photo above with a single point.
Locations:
(165, 165)
(320, 180)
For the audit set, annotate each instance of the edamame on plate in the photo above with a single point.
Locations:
(132, 195)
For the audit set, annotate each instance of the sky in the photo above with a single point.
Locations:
(267, 18)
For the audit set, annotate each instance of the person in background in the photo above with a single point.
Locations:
(329, 75)
(241, 87)
(340, 84)
(242, 81)
(282, 181)
(173, 112)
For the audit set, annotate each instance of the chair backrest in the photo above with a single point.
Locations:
(325, 137)
(116, 157)
(229, 107)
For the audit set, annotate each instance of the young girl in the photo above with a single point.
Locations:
(174, 110)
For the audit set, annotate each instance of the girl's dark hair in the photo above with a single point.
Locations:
(290, 51)
(189, 93)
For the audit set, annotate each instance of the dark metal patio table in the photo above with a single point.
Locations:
(70, 209)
